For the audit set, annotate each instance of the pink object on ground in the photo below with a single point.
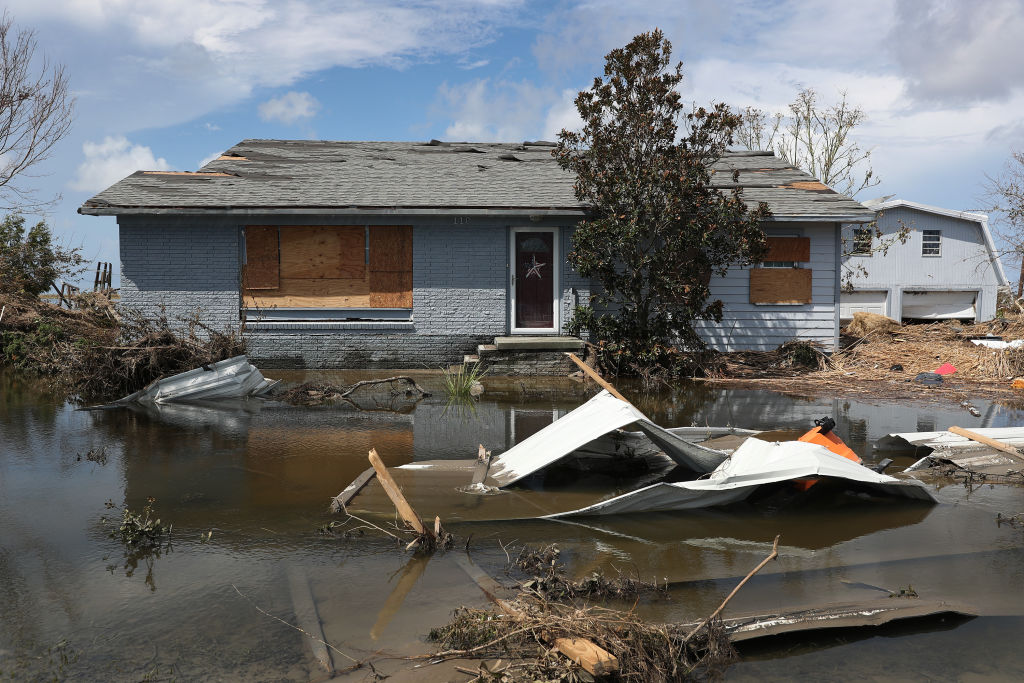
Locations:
(945, 369)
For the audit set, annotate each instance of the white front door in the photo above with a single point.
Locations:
(533, 280)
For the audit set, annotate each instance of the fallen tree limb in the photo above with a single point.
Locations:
(771, 556)
(369, 382)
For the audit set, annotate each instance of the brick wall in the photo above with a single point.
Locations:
(460, 293)
(183, 265)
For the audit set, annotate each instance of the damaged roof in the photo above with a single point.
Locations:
(302, 176)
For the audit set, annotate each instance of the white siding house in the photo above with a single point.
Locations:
(948, 268)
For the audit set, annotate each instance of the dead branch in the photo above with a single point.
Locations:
(371, 382)
(771, 556)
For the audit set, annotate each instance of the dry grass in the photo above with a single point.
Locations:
(923, 348)
(894, 356)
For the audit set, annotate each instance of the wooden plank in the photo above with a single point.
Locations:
(780, 285)
(483, 463)
(395, 494)
(980, 438)
(390, 289)
(307, 617)
(261, 270)
(590, 372)
(315, 252)
(796, 249)
(593, 658)
(303, 293)
(391, 248)
(341, 501)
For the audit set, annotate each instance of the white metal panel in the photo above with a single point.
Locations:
(862, 302)
(939, 305)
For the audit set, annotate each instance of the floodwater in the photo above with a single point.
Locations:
(257, 478)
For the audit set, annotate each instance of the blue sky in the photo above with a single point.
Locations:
(168, 85)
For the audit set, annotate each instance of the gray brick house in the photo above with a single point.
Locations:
(403, 254)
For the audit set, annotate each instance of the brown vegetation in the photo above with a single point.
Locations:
(887, 353)
(99, 354)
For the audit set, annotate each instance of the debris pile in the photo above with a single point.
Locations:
(100, 353)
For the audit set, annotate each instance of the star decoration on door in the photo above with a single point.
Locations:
(534, 268)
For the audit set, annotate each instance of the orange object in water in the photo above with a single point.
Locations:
(830, 441)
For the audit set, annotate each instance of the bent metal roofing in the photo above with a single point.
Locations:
(300, 176)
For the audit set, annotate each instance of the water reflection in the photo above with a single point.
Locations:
(259, 476)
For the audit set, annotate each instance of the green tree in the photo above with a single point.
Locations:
(657, 230)
(30, 261)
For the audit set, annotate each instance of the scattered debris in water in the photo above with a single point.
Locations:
(548, 580)
(317, 393)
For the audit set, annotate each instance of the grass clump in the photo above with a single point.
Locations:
(140, 530)
(459, 382)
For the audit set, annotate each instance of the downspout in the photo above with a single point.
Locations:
(838, 284)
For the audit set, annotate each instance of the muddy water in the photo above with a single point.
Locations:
(259, 475)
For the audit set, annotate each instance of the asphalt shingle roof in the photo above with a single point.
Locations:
(405, 177)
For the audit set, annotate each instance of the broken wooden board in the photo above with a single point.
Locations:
(341, 501)
(394, 492)
(848, 615)
(1012, 451)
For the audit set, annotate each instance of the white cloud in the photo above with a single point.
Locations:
(111, 160)
(495, 111)
(290, 108)
(207, 159)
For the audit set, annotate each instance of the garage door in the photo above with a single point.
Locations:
(867, 301)
(939, 305)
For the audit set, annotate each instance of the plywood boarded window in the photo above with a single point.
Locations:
(780, 286)
(328, 267)
(792, 249)
(391, 266)
(261, 260)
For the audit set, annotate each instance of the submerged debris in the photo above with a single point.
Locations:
(316, 393)
(548, 579)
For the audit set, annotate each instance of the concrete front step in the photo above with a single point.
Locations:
(524, 343)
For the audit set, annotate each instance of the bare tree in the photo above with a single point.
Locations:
(814, 138)
(35, 112)
(1005, 194)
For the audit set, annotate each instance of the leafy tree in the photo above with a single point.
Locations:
(657, 230)
(30, 261)
(815, 138)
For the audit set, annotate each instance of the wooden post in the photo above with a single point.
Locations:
(590, 372)
(980, 438)
(483, 463)
(96, 280)
(395, 494)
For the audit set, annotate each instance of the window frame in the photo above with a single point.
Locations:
(926, 244)
(860, 236)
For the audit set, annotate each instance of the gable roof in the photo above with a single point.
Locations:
(301, 176)
(980, 218)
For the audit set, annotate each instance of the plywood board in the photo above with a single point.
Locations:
(261, 258)
(797, 249)
(390, 290)
(308, 293)
(326, 252)
(391, 248)
(780, 285)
